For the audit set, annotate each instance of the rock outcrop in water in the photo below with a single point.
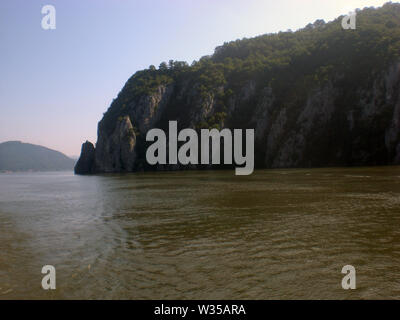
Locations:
(85, 163)
(321, 96)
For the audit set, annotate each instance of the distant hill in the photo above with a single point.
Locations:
(18, 156)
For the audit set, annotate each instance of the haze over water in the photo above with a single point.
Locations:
(201, 235)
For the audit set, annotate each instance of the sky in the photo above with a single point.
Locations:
(56, 84)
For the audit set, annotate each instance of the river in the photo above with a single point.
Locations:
(277, 234)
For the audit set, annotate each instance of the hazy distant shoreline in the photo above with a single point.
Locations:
(33, 171)
(17, 156)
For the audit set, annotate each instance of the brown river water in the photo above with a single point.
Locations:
(277, 234)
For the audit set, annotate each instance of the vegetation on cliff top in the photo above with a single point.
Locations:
(291, 63)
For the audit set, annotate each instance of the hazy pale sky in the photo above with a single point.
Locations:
(55, 85)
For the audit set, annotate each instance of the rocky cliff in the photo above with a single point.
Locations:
(321, 96)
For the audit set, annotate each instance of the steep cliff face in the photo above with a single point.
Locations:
(392, 133)
(364, 130)
(320, 105)
(115, 152)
